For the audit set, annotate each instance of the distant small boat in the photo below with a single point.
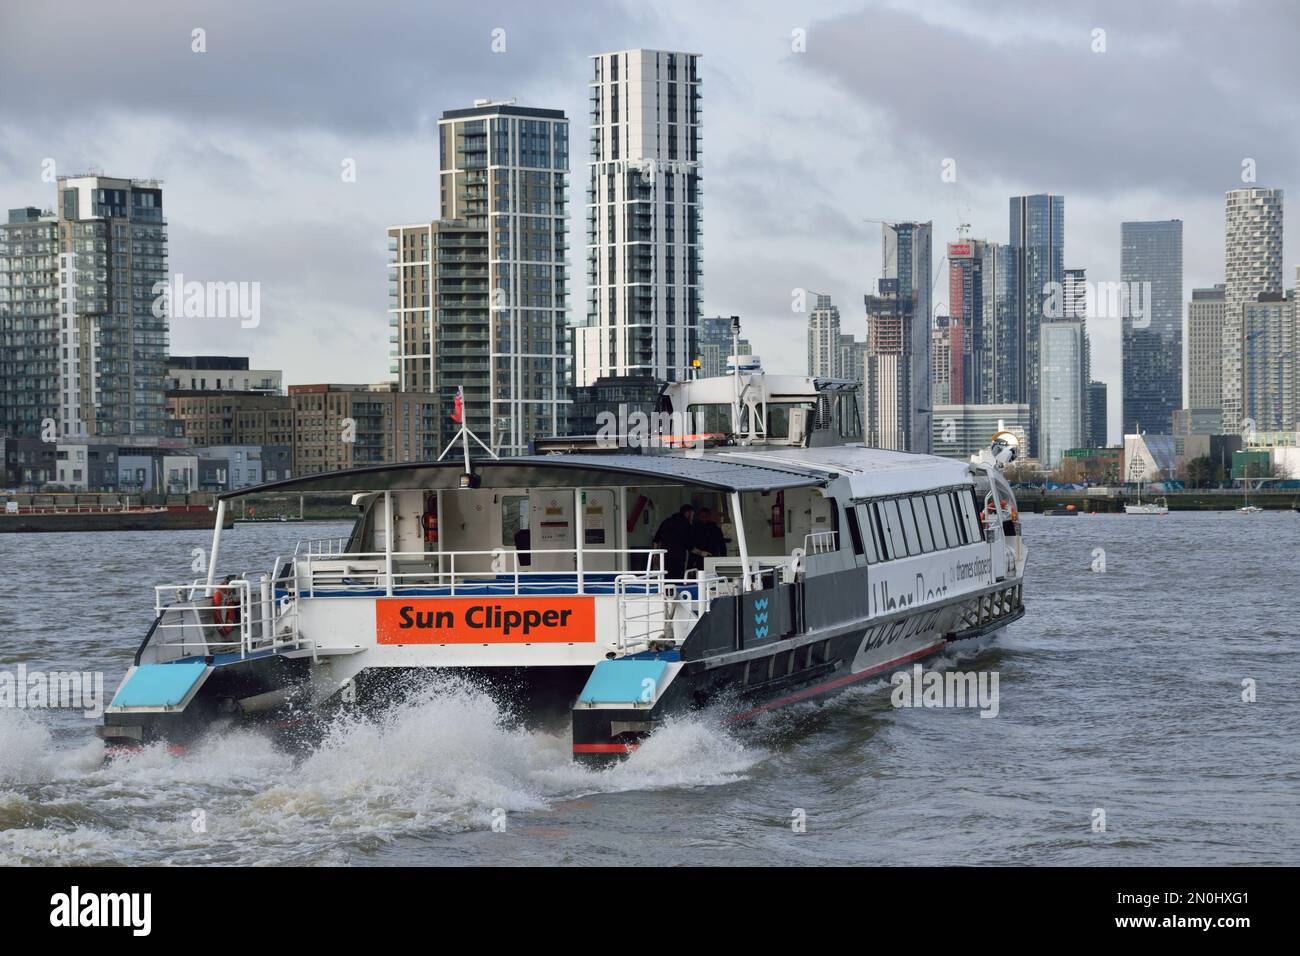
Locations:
(1250, 510)
(1062, 512)
(1158, 507)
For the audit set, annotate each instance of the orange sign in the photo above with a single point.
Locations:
(486, 620)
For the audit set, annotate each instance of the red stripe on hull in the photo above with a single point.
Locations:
(837, 683)
(604, 748)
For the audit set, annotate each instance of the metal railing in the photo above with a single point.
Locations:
(821, 542)
(237, 616)
(666, 614)
(503, 571)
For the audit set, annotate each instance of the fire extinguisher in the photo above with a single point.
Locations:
(778, 516)
(430, 521)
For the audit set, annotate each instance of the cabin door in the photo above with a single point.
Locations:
(550, 520)
(599, 530)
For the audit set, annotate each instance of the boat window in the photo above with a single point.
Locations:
(869, 534)
(936, 523)
(962, 527)
(778, 417)
(894, 526)
(878, 529)
(949, 520)
(514, 519)
(922, 523)
(909, 527)
(855, 533)
(714, 419)
(850, 423)
(970, 514)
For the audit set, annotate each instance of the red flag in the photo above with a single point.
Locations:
(458, 415)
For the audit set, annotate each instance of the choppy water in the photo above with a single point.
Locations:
(1120, 690)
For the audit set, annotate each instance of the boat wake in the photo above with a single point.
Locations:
(445, 761)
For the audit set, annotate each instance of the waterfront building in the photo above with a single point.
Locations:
(478, 297)
(30, 325)
(1037, 234)
(1060, 415)
(1098, 415)
(112, 256)
(888, 383)
(345, 426)
(824, 339)
(643, 217)
(714, 343)
(1151, 253)
(221, 373)
(1205, 313)
(1252, 267)
(905, 253)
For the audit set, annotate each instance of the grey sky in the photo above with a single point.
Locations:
(799, 148)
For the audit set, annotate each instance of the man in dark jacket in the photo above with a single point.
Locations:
(706, 539)
(674, 536)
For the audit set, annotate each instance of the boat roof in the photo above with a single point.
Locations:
(705, 471)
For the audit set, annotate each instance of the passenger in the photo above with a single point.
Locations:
(674, 536)
(706, 539)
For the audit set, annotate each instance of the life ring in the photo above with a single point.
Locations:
(227, 619)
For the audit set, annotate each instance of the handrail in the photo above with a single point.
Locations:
(363, 571)
(821, 542)
(646, 615)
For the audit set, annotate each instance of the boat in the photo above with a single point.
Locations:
(1158, 507)
(77, 518)
(1246, 507)
(1061, 511)
(541, 577)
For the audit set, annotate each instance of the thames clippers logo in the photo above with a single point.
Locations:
(760, 618)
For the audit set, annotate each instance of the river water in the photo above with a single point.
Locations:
(1121, 691)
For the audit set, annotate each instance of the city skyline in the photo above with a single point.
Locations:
(777, 219)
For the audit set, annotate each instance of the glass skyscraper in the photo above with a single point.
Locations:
(1037, 249)
(1152, 252)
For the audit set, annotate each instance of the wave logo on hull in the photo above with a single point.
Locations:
(760, 618)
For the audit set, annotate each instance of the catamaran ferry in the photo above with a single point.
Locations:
(575, 584)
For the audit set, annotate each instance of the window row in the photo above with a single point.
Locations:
(914, 525)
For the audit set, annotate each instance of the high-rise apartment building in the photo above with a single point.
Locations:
(1151, 256)
(1075, 301)
(1205, 314)
(824, 339)
(442, 269)
(1269, 366)
(1252, 267)
(478, 298)
(887, 385)
(979, 309)
(1037, 251)
(30, 324)
(906, 251)
(941, 360)
(643, 217)
(1060, 389)
(112, 339)
(714, 343)
(1097, 415)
